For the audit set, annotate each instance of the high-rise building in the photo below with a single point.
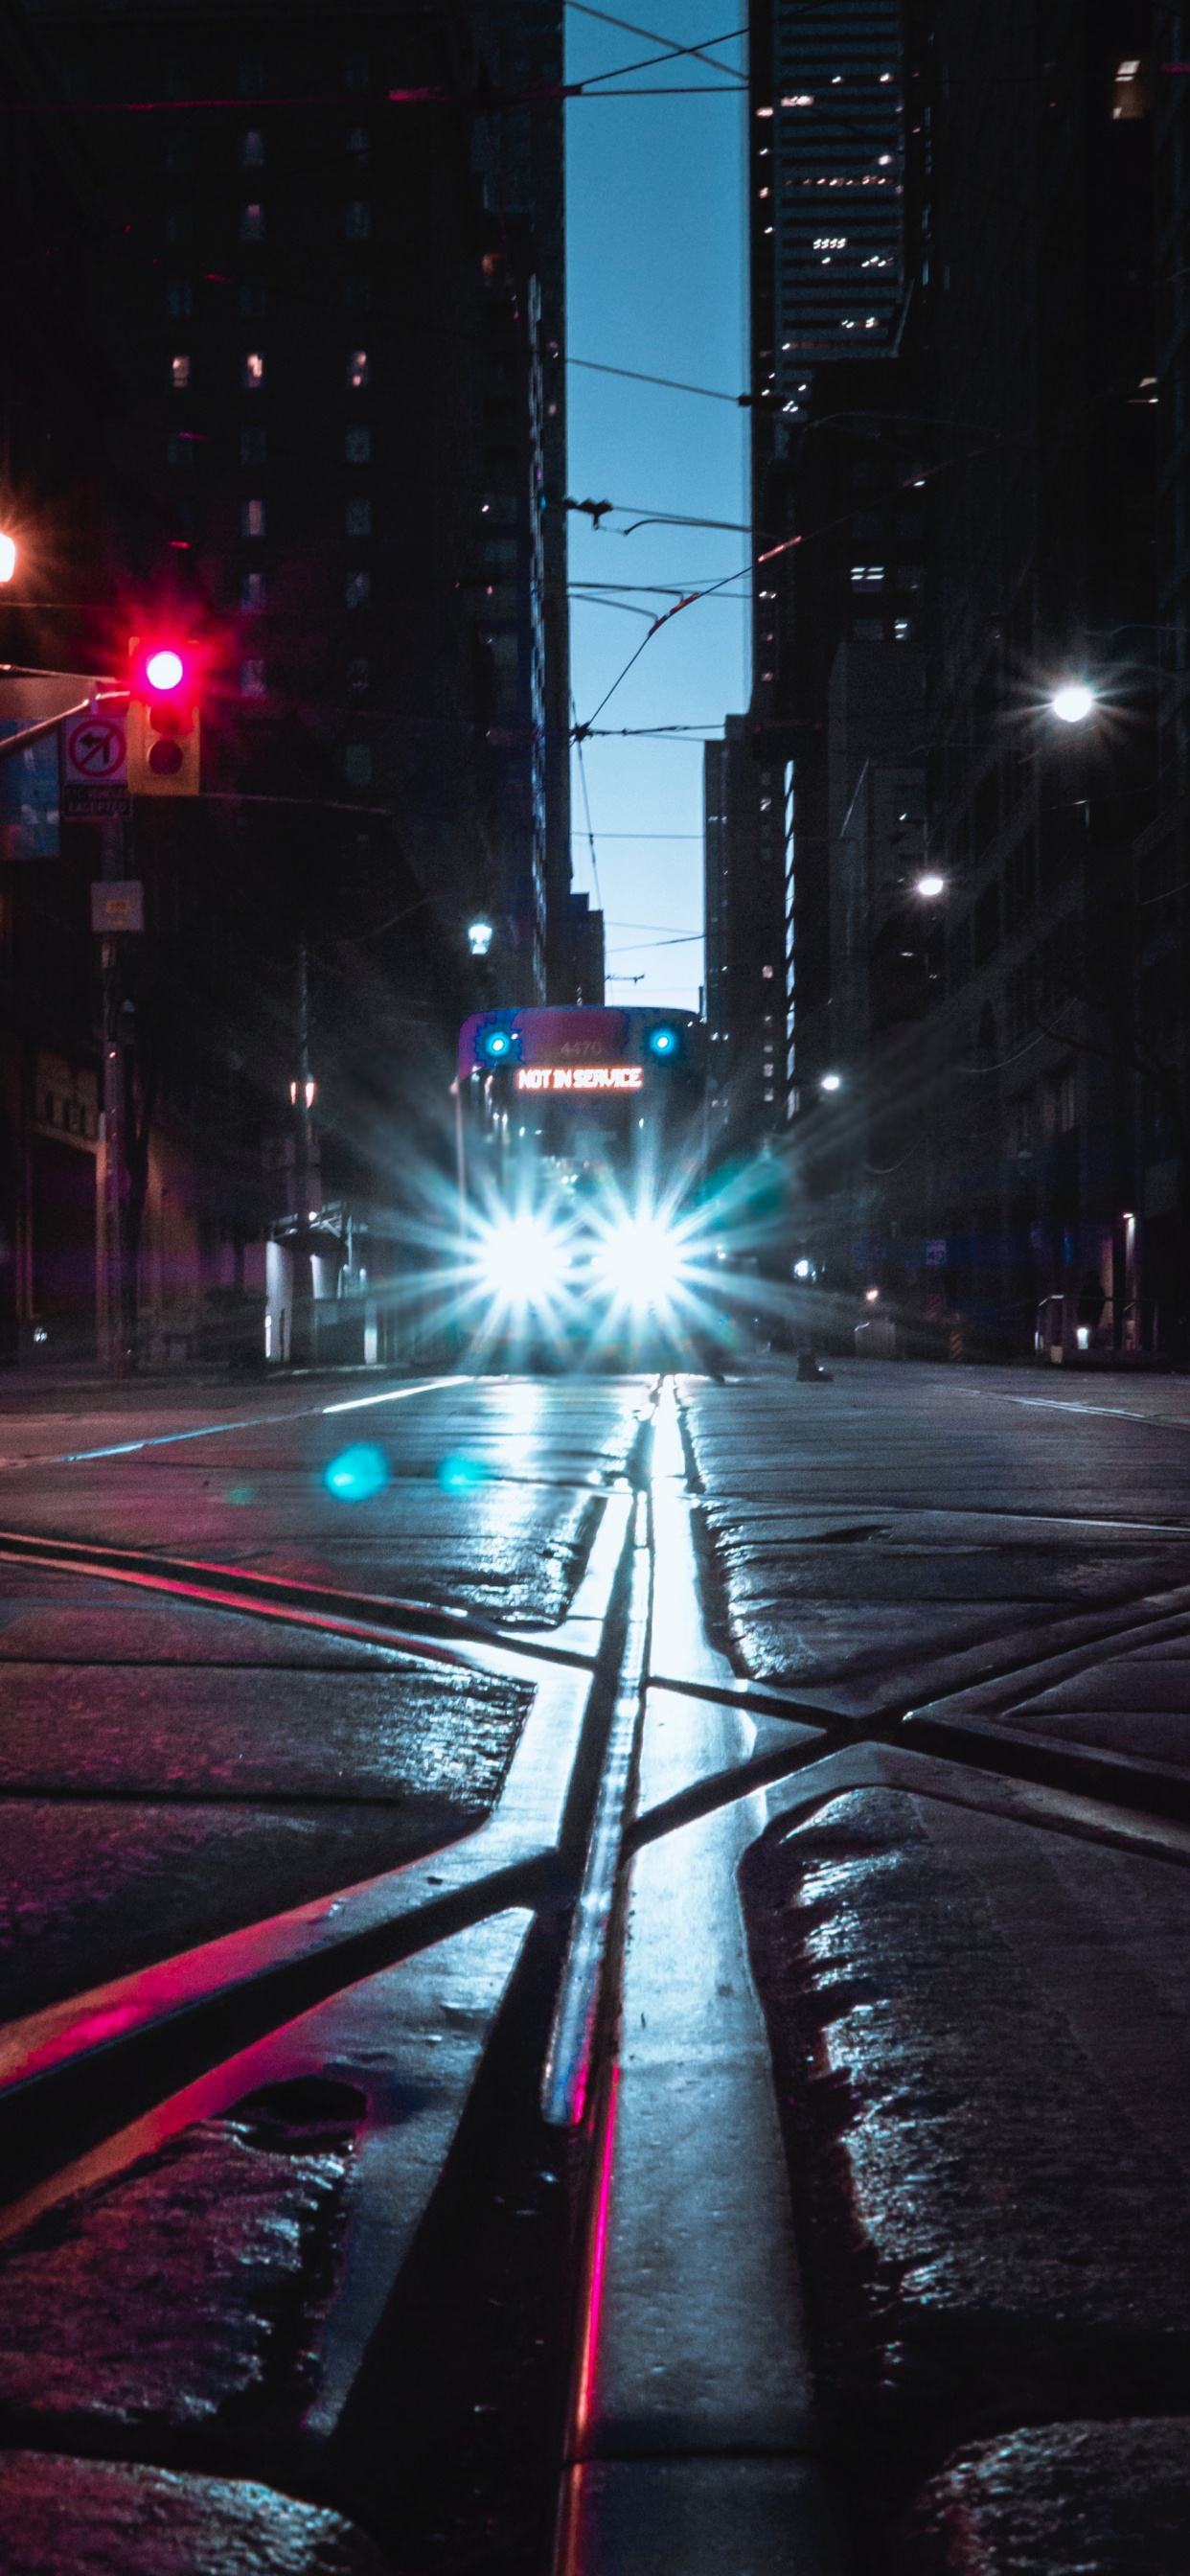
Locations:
(1039, 370)
(325, 276)
(827, 185)
(825, 176)
(520, 153)
(748, 903)
(1163, 850)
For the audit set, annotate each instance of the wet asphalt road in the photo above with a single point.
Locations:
(170, 1771)
(976, 2005)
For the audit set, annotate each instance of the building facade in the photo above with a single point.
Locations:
(325, 272)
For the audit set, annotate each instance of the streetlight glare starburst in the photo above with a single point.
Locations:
(8, 556)
(1073, 702)
(930, 885)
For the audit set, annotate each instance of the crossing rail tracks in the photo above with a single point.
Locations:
(465, 2212)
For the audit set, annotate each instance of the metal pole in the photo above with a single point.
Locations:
(111, 1280)
(301, 1328)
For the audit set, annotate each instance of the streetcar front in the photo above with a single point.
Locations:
(581, 1160)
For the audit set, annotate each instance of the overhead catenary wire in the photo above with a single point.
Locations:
(587, 804)
(583, 9)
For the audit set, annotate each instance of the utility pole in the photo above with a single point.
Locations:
(113, 1333)
(301, 1329)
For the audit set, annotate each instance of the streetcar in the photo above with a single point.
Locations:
(581, 1141)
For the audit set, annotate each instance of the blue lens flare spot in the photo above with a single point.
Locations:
(458, 1475)
(356, 1474)
(241, 1493)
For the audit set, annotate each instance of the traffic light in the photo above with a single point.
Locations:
(163, 718)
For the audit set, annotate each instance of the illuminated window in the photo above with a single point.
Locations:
(252, 519)
(357, 369)
(1132, 87)
(252, 223)
(252, 680)
(357, 764)
(359, 518)
(867, 576)
(359, 446)
(358, 590)
(357, 220)
(253, 377)
(252, 593)
(179, 374)
(251, 151)
(179, 297)
(253, 445)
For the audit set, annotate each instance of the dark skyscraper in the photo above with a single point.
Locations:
(319, 320)
(827, 192)
(827, 293)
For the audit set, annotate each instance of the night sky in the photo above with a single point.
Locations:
(655, 213)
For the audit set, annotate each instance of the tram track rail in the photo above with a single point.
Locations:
(81, 2074)
(244, 1983)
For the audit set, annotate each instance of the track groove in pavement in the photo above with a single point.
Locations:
(87, 2086)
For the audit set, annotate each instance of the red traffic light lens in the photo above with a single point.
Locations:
(165, 674)
(165, 669)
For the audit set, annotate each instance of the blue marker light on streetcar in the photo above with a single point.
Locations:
(662, 1042)
(495, 1046)
(356, 1474)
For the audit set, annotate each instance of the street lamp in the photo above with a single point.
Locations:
(8, 556)
(479, 937)
(831, 1082)
(1073, 702)
(930, 885)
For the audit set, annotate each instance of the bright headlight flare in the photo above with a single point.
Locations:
(522, 1260)
(643, 1260)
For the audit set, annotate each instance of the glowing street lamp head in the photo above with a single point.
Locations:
(1073, 702)
(831, 1082)
(930, 885)
(8, 556)
(479, 937)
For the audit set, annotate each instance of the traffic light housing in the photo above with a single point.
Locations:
(163, 717)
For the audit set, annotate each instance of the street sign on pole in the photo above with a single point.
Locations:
(117, 903)
(95, 766)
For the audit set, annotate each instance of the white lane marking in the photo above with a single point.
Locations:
(1067, 1404)
(251, 1422)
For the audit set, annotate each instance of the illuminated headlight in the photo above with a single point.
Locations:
(643, 1261)
(522, 1260)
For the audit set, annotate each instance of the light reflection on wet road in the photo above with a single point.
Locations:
(169, 1771)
